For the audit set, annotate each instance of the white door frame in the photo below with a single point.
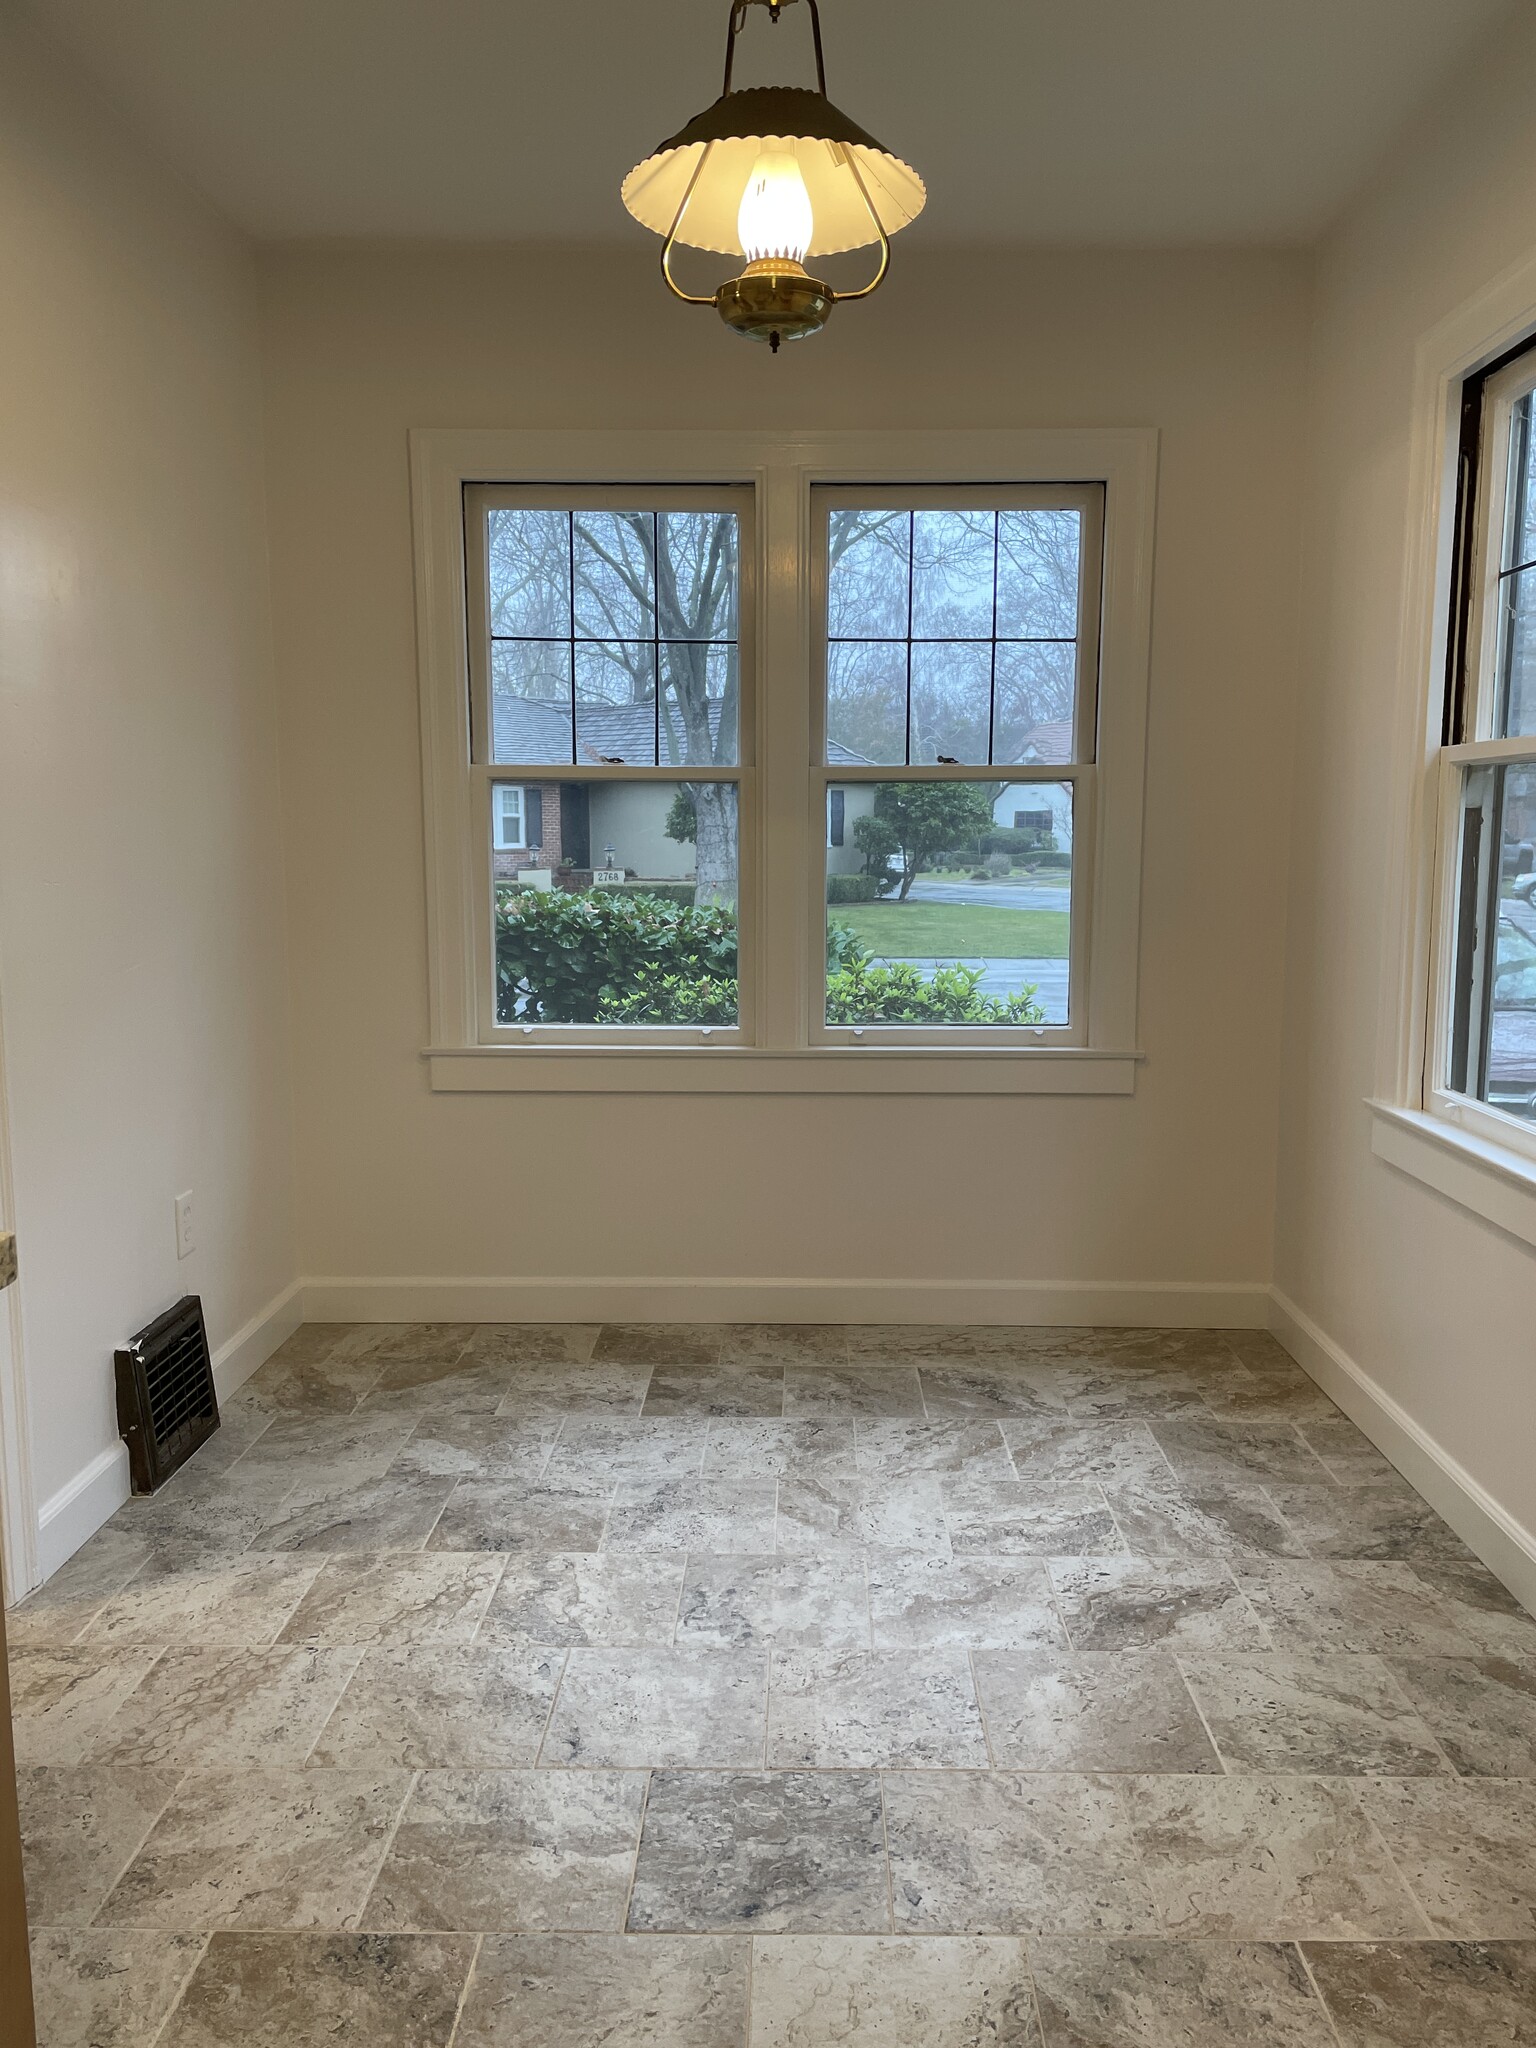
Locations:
(18, 1506)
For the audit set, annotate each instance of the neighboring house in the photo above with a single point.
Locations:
(541, 824)
(1041, 806)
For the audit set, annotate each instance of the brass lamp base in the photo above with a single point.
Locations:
(774, 301)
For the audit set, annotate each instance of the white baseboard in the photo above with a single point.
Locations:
(254, 1342)
(67, 1518)
(1506, 1546)
(1157, 1304)
(73, 1514)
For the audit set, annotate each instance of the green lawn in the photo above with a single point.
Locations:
(955, 931)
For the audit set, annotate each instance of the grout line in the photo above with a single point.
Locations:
(981, 1712)
(890, 1875)
(134, 1853)
(1383, 1659)
(682, 1589)
(1194, 1700)
(458, 2011)
(634, 1868)
(1355, 1789)
(1317, 1991)
(181, 1992)
(537, 1764)
(389, 1843)
(358, 1654)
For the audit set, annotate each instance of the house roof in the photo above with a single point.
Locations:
(1050, 744)
(534, 729)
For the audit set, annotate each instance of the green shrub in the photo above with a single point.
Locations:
(844, 947)
(680, 893)
(852, 889)
(901, 994)
(660, 998)
(1050, 858)
(561, 958)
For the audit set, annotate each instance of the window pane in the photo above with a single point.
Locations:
(1493, 1043)
(1036, 691)
(699, 704)
(867, 702)
(697, 595)
(1520, 541)
(616, 702)
(530, 700)
(867, 574)
(1037, 573)
(658, 947)
(530, 574)
(951, 702)
(1518, 652)
(950, 904)
(615, 575)
(952, 575)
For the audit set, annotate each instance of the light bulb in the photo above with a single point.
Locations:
(775, 214)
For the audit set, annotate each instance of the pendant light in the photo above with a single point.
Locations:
(775, 174)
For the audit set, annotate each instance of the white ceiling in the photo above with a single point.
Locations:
(1065, 121)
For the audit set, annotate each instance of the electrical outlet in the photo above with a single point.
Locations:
(186, 1229)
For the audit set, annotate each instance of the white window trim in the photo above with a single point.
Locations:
(782, 471)
(1471, 1154)
(520, 843)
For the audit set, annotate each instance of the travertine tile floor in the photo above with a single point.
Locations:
(647, 1687)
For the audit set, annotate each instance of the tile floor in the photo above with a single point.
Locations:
(647, 1687)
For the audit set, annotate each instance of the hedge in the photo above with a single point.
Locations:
(852, 888)
(567, 958)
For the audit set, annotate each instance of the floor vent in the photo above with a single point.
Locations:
(166, 1404)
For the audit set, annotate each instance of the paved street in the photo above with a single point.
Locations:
(996, 895)
(1008, 977)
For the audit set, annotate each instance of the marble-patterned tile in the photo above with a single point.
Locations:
(1367, 1521)
(1254, 1395)
(1175, 1994)
(607, 1991)
(1481, 1711)
(312, 1990)
(398, 1597)
(1093, 1710)
(203, 1528)
(844, 1710)
(661, 1344)
(230, 1709)
(676, 1708)
(1138, 1603)
(331, 1385)
(1006, 1518)
(440, 1707)
(107, 1987)
(63, 1697)
(1310, 1713)
(81, 1825)
(416, 1343)
(982, 1390)
(1347, 1453)
(1468, 1849)
(613, 1389)
(938, 1344)
(706, 1390)
(384, 1514)
(768, 1447)
(996, 1852)
(325, 1456)
(1267, 1859)
(1485, 1610)
(594, 1452)
(488, 1514)
(64, 1606)
(827, 1512)
(1370, 1604)
(1095, 1453)
(512, 1851)
(239, 1605)
(261, 1849)
(785, 1344)
(1149, 1394)
(1259, 1351)
(791, 1602)
(918, 1602)
(1467, 1994)
(693, 1514)
(609, 1599)
(477, 1445)
(766, 1852)
(435, 1386)
(820, 1991)
(519, 1344)
(853, 1392)
(311, 1342)
(1230, 1522)
(900, 1448)
(1210, 1450)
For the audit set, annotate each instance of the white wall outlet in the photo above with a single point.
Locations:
(186, 1228)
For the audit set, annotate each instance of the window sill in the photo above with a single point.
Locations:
(1493, 1182)
(748, 1070)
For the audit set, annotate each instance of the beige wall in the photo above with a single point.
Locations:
(1435, 1305)
(1174, 1184)
(141, 916)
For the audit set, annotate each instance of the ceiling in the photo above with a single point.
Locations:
(1046, 121)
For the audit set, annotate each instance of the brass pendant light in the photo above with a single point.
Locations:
(775, 174)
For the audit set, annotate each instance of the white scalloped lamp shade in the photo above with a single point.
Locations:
(654, 190)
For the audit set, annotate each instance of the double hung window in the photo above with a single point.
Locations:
(783, 753)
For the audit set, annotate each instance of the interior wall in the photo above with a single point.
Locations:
(1435, 1305)
(142, 940)
(1173, 1185)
